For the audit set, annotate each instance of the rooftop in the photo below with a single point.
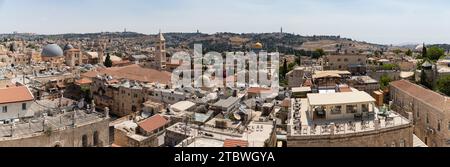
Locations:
(60, 121)
(226, 103)
(235, 143)
(153, 123)
(339, 98)
(301, 125)
(15, 94)
(430, 97)
(182, 106)
(133, 72)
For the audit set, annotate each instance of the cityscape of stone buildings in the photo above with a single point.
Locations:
(60, 93)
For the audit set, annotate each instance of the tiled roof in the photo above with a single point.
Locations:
(15, 95)
(153, 123)
(430, 97)
(235, 143)
(257, 90)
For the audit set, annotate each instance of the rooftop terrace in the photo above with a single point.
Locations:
(302, 125)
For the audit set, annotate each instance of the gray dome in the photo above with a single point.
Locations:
(68, 47)
(52, 50)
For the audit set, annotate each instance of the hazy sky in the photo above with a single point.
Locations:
(380, 21)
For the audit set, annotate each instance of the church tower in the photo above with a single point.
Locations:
(101, 53)
(160, 53)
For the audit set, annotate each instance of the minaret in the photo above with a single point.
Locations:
(160, 54)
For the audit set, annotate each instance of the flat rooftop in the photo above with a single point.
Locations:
(339, 98)
(302, 125)
(206, 142)
(61, 121)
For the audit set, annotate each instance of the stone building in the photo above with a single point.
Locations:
(79, 128)
(53, 55)
(142, 134)
(296, 78)
(348, 119)
(427, 109)
(356, 64)
(125, 89)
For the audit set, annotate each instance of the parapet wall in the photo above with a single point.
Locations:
(395, 136)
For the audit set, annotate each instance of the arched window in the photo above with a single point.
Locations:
(84, 141)
(96, 140)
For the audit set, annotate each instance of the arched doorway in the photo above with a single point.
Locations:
(84, 141)
(96, 139)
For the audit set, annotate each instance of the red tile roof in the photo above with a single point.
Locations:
(430, 97)
(153, 123)
(257, 90)
(83, 81)
(235, 143)
(15, 95)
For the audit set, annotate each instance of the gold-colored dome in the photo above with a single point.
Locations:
(258, 45)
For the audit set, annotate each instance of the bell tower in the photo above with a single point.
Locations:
(160, 53)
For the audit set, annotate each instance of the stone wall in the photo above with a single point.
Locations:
(68, 137)
(388, 137)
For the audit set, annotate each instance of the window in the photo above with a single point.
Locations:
(449, 126)
(96, 141)
(346, 60)
(338, 60)
(336, 110)
(439, 125)
(24, 106)
(402, 143)
(365, 108)
(5, 109)
(428, 119)
(351, 109)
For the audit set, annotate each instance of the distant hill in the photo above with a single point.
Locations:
(222, 42)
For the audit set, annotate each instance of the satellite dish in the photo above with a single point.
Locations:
(237, 116)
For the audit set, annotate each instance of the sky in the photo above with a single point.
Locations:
(376, 21)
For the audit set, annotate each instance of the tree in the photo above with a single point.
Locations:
(409, 52)
(12, 48)
(397, 51)
(285, 68)
(424, 51)
(384, 81)
(443, 85)
(389, 66)
(435, 53)
(108, 63)
(424, 79)
(318, 53)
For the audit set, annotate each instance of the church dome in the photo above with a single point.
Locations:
(52, 50)
(68, 47)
